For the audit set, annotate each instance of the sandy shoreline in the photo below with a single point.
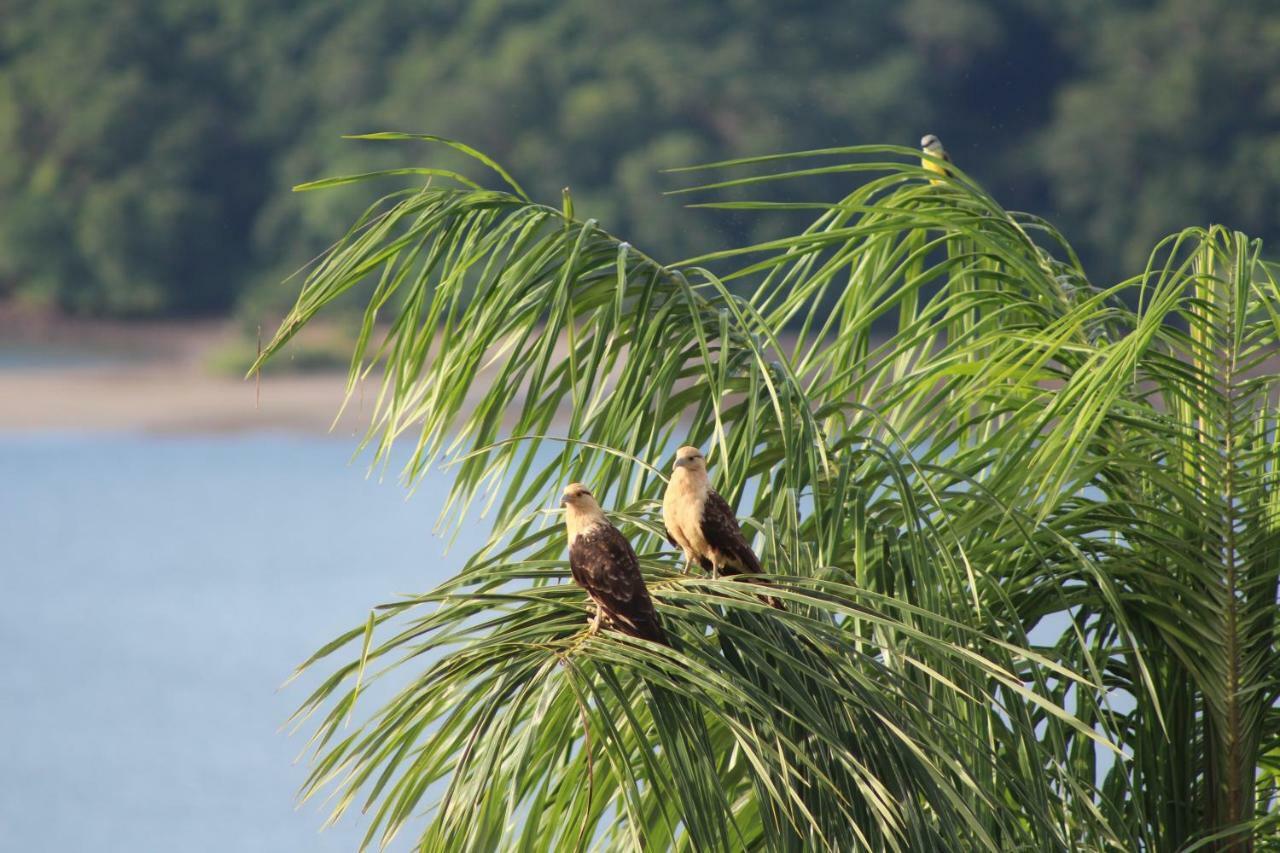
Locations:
(59, 374)
(159, 399)
(153, 377)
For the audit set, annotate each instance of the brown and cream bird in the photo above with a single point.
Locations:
(701, 523)
(605, 565)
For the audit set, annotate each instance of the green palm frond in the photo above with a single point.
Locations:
(1018, 521)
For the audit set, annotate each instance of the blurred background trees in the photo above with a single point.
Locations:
(148, 146)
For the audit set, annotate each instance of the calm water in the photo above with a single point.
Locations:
(155, 594)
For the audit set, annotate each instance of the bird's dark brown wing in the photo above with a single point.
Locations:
(605, 565)
(720, 529)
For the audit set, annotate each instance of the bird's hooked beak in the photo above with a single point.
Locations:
(564, 502)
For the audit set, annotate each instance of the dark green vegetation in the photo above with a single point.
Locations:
(145, 145)
(1036, 526)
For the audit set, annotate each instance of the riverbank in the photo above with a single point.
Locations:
(80, 375)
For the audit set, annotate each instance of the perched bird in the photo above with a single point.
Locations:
(932, 146)
(605, 565)
(701, 523)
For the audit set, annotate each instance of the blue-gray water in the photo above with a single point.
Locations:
(155, 594)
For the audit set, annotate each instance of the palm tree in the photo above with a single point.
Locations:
(1025, 528)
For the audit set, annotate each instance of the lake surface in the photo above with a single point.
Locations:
(156, 592)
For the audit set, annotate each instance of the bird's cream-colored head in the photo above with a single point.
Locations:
(690, 464)
(581, 512)
(932, 145)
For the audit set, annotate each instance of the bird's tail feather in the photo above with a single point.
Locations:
(733, 571)
(643, 627)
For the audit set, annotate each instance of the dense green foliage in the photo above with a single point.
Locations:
(145, 144)
(1022, 521)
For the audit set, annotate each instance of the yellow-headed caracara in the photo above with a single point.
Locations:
(701, 523)
(605, 565)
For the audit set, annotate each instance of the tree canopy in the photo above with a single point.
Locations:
(146, 144)
(1025, 528)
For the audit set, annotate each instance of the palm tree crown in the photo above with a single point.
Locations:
(1025, 529)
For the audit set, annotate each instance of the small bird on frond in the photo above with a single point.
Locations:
(932, 146)
(702, 524)
(605, 565)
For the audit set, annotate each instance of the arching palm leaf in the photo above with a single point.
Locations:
(946, 441)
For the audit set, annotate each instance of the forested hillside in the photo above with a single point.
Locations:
(148, 145)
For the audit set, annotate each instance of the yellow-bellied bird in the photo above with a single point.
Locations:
(701, 523)
(605, 565)
(932, 146)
